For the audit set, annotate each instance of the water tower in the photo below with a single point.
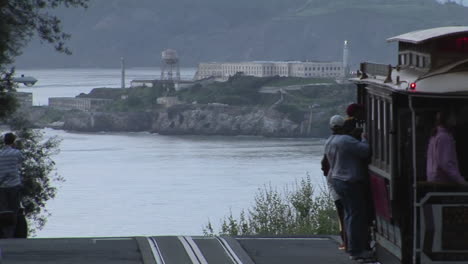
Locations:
(169, 65)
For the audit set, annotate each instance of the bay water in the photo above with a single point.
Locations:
(131, 184)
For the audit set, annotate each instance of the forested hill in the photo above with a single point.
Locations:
(227, 30)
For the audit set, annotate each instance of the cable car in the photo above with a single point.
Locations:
(417, 221)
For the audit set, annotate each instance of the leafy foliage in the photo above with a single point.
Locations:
(19, 20)
(238, 90)
(38, 175)
(8, 103)
(137, 98)
(287, 81)
(296, 212)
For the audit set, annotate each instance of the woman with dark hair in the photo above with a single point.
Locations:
(442, 163)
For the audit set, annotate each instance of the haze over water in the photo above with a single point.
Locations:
(128, 184)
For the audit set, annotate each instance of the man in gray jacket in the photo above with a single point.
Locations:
(10, 182)
(345, 155)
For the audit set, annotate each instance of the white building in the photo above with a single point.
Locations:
(25, 100)
(303, 69)
(271, 68)
(318, 69)
(72, 103)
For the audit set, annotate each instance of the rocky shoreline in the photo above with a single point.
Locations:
(236, 107)
(186, 119)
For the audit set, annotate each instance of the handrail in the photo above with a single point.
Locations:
(376, 69)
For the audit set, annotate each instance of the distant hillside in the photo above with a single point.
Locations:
(222, 30)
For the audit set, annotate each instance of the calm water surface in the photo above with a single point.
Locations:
(71, 82)
(128, 184)
(122, 184)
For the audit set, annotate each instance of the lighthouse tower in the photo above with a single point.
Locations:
(345, 59)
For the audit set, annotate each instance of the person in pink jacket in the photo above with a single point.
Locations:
(442, 162)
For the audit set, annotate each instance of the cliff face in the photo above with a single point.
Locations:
(102, 121)
(223, 120)
(190, 119)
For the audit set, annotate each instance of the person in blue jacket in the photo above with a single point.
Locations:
(346, 156)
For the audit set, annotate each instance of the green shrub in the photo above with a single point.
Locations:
(300, 211)
(51, 115)
(134, 102)
(234, 100)
(294, 112)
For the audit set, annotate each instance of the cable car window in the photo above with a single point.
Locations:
(372, 125)
(421, 61)
(384, 135)
(376, 142)
(379, 126)
(388, 118)
(381, 132)
(459, 45)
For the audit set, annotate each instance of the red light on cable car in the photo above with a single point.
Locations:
(412, 86)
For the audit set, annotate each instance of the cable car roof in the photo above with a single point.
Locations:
(419, 36)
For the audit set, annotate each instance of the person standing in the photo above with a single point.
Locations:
(442, 162)
(346, 155)
(336, 130)
(353, 126)
(10, 183)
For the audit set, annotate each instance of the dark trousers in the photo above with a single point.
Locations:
(9, 206)
(340, 211)
(355, 214)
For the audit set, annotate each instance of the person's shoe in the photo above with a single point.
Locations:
(365, 255)
(369, 260)
(342, 247)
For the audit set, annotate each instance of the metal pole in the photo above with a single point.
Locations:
(310, 121)
(122, 85)
(415, 212)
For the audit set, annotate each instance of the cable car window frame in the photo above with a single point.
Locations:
(380, 116)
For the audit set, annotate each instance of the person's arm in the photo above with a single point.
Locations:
(325, 165)
(447, 158)
(359, 148)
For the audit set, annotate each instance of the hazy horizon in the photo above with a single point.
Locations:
(212, 30)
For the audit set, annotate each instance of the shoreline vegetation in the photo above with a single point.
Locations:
(243, 105)
(302, 210)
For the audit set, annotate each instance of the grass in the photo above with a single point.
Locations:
(287, 81)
